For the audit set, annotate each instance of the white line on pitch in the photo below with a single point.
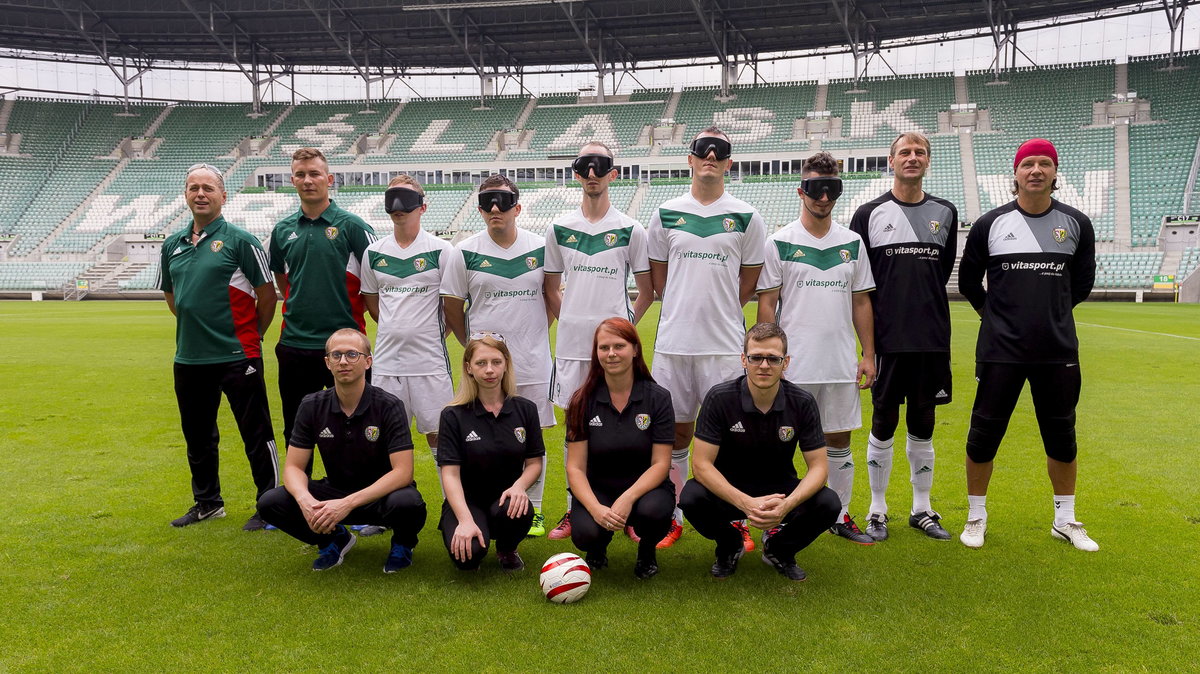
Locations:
(1144, 332)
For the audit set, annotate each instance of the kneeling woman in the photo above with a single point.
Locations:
(489, 451)
(620, 428)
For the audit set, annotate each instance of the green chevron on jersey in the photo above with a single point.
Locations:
(590, 244)
(822, 259)
(403, 267)
(704, 226)
(499, 266)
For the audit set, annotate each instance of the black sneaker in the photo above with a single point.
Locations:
(726, 565)
(596, 562)
(928, 522)
(199, 513)
(510, 561)
(786, 567)
(645, 567)
(848, 530)
(332, 555)
(255, 523)
(877, 526)
(371, 530)
(399, 558)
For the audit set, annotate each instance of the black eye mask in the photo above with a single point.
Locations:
(503, 199)
(705, 144)
(596, 162)
(402, 199)
(815, 187)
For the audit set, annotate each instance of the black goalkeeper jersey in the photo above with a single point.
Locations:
(1038, 268)
(912, 249)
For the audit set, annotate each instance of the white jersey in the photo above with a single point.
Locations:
(595, 260)
(503, 288)
(705, 248)
(408, 281)
(816, 279)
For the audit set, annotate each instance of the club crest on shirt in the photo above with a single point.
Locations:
(420, 264)
(531, 262)
(642, 421)
(519, 431)
(1060, 234)
(729, 224)
(786, 433)
(331, 233)
(216, 246)
(934, 226)
(371, 433)
(610, 239)
(845, 255)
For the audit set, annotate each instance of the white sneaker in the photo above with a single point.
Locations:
(973, 532)
(1074, 533)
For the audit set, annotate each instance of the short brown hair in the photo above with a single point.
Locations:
(715, 131)
(351, 332)
(821, 163)
(496, 181)
(761, 332)
(306, 153)
(405, 179)
(596, 143)
(913, 137)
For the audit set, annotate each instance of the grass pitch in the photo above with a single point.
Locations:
(94, 578)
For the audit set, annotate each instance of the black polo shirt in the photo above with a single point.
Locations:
(491, 449)
(355, 450)
(620, 444)
(758, 450)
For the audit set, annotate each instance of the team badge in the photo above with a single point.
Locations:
(531, 262)
(934, 226)
(642, 421)
(845, 255)
(786, 433)
(1060, 235)
(610, 239)
(728, 224)
(216, 246)
(420, 263)
(331, 233)
(519, 431)
(371, 433)
(798, 253)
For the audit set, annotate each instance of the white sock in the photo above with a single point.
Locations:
(879, 471)
(841, 476)
(679, 471)
(1064, 509)
(535, 490)
(977, 508)
(920, 467)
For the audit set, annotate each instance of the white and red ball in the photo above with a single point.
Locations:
(565, 578)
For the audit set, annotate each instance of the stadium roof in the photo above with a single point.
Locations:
(509, 35)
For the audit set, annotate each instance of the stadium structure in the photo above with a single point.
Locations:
(91, 186)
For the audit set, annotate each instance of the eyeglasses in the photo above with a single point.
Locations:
(719, 147)
(757, 359)
(494, 335)
(350, 356)
(203, 166)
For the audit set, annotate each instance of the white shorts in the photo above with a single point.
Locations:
(689, 378)
(423, 396)
(540, 395)
(840, 405)
(569, 375)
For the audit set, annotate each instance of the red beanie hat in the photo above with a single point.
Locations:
(1036, 147)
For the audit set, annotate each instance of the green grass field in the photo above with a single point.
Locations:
(94, 579)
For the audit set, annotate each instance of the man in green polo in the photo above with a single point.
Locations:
(215, 279)
(315, 254)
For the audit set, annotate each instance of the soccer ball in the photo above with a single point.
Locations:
(565, 578)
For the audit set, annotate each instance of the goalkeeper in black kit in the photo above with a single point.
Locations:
(1040, 261)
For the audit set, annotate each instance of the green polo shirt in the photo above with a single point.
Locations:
(216, 314)
(321, 259)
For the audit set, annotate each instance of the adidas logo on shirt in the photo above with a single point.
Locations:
(473, 436)
(250, 370)
(737, 428)
(681, 221)
(596, 421)
(325, 433)
(572, 239)
(293, 236)
(1010, 237)
(889, 228)
(942, 394)
(178, 250)
(484, 264)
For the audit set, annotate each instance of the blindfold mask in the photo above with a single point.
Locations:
(703, 145)
(815, 187)
(502, 199)
(592, 162)
(402, 199)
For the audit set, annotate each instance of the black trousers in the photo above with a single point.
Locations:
(650, 519)
(198, 390)
(403, 511)
(301, 371)
(710, 515)
(493, 520)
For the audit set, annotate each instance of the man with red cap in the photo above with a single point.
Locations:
(1039, 258)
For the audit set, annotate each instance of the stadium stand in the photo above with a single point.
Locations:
(448, 129)
(880, 108)
(1127, 270)
(332, 128)
(1188, 263)
(38, 275)
(758, 118)
(559, 128)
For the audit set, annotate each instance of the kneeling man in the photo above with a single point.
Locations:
(746, 439)
(366, 448)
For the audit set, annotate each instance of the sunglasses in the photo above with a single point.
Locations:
(502, 199)
(815, 187)
(402, 199)
(702, 146)
(599, 163)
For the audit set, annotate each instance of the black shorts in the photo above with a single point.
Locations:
(918, 378)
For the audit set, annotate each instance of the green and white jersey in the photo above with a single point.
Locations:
(213, 282)
(595, 260)
(503, 290)
(705, 248)
(817, 279)
(408, 282)
(321, 259)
